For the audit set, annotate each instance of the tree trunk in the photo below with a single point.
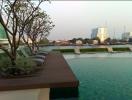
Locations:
(37, 46)
(14, 56)
(13, 61)
(33, 48)
(30, 48)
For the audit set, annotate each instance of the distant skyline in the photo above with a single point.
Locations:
(74, 19)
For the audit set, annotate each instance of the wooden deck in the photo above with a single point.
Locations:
(56, 74)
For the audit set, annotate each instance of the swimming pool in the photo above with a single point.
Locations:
(103, 76)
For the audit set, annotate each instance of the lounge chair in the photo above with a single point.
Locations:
(26, 51)
(38, 61)
(43, 53)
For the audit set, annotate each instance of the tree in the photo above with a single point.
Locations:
(73, 40)
(44, 41)
(85, 40)
(90, 41)
(108, 40)
(14, 19)
(114, 41)
(38, 29)
(97, 38)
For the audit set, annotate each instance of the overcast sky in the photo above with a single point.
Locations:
(75, 19)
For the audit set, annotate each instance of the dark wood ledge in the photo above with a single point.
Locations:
(56, 74)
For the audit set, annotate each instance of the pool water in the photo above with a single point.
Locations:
(103, 76)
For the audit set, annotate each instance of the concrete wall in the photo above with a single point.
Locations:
(31, 94)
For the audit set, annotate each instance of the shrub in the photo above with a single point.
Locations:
(64, 50)
(24, 66)
(121, 49)
(83, 50)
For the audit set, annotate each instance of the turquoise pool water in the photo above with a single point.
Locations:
(103, 76)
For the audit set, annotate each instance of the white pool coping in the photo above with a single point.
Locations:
(96, 55)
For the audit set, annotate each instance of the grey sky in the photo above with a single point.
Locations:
(78, 18)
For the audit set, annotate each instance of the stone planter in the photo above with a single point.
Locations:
(28, 94)
(55, 75)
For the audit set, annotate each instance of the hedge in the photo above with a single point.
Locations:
(64, 50)
(121, 49)
(83, 50)
(93, 50)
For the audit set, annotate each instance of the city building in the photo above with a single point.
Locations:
(79, 42)
(100, 33)
(95, 42)
(126, 36)
(62, 42)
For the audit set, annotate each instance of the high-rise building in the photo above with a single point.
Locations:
(126, 36)
(101, 33)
